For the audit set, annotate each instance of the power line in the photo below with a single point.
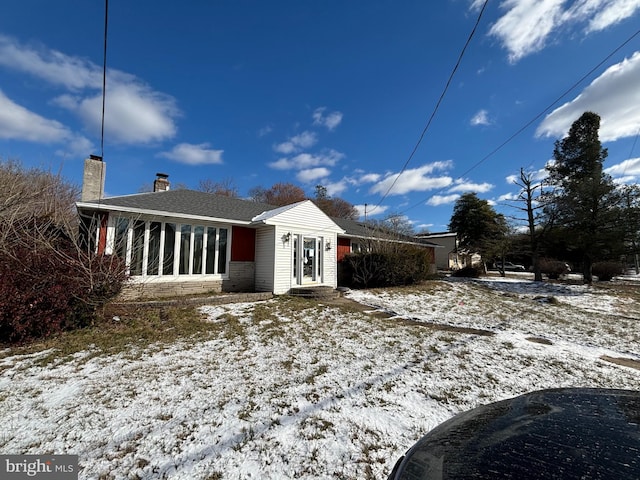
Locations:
(104, 75)
(633, 146)
(437, 106)
(530, 122)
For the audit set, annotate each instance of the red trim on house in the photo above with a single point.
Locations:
(102, 233)
(344, 248)
(243, 244)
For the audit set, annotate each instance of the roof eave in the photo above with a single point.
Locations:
(158, 213)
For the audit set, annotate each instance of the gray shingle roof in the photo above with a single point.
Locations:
(353, 228)
(202, 204)
(186, 202)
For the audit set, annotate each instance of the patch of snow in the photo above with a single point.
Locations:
(317, 393)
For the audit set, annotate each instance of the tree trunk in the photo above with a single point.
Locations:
(587, 276)
(537, 274)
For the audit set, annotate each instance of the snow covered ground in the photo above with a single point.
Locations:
(319, 391)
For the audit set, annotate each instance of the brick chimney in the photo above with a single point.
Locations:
(161, 183)
(93, 178)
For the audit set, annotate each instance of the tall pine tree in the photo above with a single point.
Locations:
(584, 196)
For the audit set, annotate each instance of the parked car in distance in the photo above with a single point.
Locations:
(510, 267)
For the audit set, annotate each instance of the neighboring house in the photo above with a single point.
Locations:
(183, 241)
(450, 256)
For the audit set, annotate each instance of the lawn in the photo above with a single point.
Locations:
(289, 388)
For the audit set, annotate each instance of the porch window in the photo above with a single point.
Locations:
(121, 237)
(137, 248)
(153, 257)
(153, 248)
(198, 250)
(185, 249)
(211, 250)
(169, 248)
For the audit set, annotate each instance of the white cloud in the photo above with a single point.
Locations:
(438, 200)
(50, 65)
(16, 122)
(76, 146)
(614, 96)
(336, 188)
(524, 28)
(330, 120)
(264, 131)
(527, 25)
(297, 143)
(511, 179)
(507, 197)
(602, 14)
(312, 174)
(466, 186)
(369, 178)
(476, 4)
(625, 169)
(369, 211)
(481, 118)
(414, 180)
(19, 123)
(190, 154)
(135, 113)
(308, 160)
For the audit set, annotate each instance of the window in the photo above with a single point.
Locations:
(153, 257)
(169, 248)
(137, 248)
(184, 249)
(198, 250)
(122, 237)
(211, 250)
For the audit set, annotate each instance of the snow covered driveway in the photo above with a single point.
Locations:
(315, 391)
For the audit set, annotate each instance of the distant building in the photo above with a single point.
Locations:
(450, 257)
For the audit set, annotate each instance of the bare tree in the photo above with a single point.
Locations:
(279, 194)
(226, 187)
(532, 203)
(49, 280)
(333, 206)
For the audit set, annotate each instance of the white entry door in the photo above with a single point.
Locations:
(309, 260)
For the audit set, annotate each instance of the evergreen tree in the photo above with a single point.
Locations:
(584, 198)
(479, 228)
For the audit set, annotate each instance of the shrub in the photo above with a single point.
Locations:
(553, 268)
(468, 272)
(47, 284)
(406, 265)
(605, 271)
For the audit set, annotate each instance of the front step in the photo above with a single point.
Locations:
(315, 292)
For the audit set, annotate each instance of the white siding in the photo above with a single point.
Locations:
(283, 261)
(305, 215)
(265, 245)
(275, 241)
(284, 279)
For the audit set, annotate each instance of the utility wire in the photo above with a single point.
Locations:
(528, 124)
(633, 146)
(435, 110)
(104, 75)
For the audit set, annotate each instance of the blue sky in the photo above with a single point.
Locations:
(332, 93)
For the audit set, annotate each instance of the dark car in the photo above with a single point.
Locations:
(559, 434)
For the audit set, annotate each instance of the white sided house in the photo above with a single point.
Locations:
(178, 242)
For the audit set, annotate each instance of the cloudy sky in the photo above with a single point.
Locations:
(339, 94)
